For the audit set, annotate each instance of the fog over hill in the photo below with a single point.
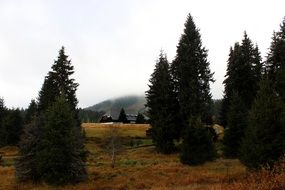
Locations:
(131, 103)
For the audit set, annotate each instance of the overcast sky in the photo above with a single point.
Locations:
(113, 44)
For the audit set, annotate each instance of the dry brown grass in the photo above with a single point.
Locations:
(142, 168)
(9, 151)
(262, 180)
(131, 130)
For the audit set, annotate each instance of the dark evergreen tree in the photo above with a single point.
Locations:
(123, 117)
(237, 122)
(54, 124)
(250, 71)
(30, 112)
(192, 75)
(275, 64)
(59, 158)
(197, 146)
(258, 67)
(48, 93)
(264, 142)
(57, 82)
(162, 107)
(233, 60)
(62, 70)
(140, 119)
(26, 164)
(244, 71)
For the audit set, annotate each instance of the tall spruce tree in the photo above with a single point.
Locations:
(57, 82)
(275, 63)
(237, 123)
(244, 71)
(233, 60)
(59, 159)
(192, 75)
(162, 107)
(264, 141)
(250, 69)
(49, 130)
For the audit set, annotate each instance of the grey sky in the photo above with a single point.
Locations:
(113, 44)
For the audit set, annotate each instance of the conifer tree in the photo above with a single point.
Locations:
(264, 141)
(27, 164)
(162, 107)
(250, 71)
(57, 96)
(197, 146)
(30, 112)
(237, 123)
(47, 94)
(244, 71)
(123, 117)
(59, 159)
(192, 75)
(230, 81)
(275, 63)
(57, 82)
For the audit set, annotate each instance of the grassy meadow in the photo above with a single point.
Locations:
(139, 166)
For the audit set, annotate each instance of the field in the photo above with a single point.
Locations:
(138, 166)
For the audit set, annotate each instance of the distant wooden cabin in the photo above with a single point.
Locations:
(106, 119)
(131, 118)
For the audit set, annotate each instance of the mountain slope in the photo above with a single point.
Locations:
(131, 104)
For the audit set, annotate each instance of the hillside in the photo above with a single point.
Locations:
(131, 104)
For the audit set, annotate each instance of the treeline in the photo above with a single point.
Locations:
(89, 116)
(252, 110)
(11, 125)
(12, 121)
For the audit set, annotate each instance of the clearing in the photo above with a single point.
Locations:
(138, 165)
